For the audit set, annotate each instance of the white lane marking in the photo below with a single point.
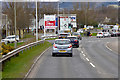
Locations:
(87, 59)
(81, 51)
(92, 64)
(108, 47)
(83, 54)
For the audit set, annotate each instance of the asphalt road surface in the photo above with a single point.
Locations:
(91, 60)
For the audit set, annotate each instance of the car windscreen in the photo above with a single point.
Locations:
(99, 33)
(62, 42)
(72, 38)
(76, 34)
(106, 33)
(9, 38)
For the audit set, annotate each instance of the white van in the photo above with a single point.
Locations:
(10, 39)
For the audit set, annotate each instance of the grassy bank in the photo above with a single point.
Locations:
(85, 34)
(18, 44)
(28, 35)
(19, 66)
(51, 39)
(94, 34)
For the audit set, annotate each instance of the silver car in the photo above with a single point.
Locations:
(62, 47)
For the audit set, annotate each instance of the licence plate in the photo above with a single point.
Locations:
(62, 51)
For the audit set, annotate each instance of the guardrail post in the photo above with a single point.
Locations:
(2, 65)
(9, 59)
(22, 51)
(17, 54)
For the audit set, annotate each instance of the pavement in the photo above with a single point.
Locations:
(91, 60)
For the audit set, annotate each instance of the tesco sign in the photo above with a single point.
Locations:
(49, 21)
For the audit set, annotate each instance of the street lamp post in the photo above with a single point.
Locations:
(58, 17)
(36, 23)
(6, 25)
(15, 24)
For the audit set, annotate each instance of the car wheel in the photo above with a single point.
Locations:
(77, 46)
(70, 55)
(53, 55)
(17, 40)
(8, 41)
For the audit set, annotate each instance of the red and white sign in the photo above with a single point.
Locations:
(49, 21)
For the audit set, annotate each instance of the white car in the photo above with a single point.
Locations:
(10, 39)
(100, 35)
(80, 30)
(107, 34)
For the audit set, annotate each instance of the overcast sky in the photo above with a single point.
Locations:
(62, 0)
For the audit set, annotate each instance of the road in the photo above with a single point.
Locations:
(91, 60)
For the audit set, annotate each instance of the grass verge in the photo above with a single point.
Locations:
(51, 39)
(94, 34)
(19, 66)
(28, 36)
(18, 44)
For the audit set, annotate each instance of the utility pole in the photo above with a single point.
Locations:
(6, 25)
(36, 23)
(15, 24)
(58, 17)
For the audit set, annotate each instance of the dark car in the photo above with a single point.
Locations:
(78, 35)
(74, 41)
(118, 34)
(113, 34)
(63, 35)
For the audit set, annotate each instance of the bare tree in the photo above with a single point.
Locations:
(22, 16)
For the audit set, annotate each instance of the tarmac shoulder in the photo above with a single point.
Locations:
(114, 46)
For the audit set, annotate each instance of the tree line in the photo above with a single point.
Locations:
(86, 13)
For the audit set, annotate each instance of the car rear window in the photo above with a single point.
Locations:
(75, 34)
(62, 42)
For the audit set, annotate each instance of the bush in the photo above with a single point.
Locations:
(6, 48)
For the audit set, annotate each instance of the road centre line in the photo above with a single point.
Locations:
(81, 51)
(108, 47)
(84, 55)
(92, 64)
(87, 59)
